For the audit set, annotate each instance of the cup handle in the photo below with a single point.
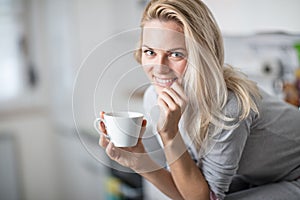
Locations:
(96, 122)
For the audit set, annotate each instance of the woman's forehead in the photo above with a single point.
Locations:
(162, 35)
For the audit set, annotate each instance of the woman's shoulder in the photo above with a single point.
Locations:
(149, 98)
(150, 91)
(232, 106)
(150, 94)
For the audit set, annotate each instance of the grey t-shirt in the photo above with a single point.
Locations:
(261, 149)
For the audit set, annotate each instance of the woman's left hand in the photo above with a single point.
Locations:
(172, 102)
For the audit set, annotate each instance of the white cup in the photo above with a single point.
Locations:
(123, 128)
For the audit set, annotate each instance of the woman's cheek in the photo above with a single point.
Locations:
(179, 68)
(147, 71)
(182, 68)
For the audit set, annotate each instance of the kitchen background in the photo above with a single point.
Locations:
(62, 61)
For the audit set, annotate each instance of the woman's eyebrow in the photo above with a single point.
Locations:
(176, 49)
(169, 50)
(146, 46)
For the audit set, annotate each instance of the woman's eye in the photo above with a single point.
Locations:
(177, 55)
(149, 52)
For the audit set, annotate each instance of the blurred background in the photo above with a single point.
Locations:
(63, 61)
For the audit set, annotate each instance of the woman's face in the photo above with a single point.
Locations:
(164, 55)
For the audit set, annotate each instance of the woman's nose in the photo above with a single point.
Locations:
(161, 64)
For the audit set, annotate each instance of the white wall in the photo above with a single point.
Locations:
(28, 120)
(247, 17)
(106, 32)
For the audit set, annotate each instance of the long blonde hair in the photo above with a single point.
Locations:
(207, 79)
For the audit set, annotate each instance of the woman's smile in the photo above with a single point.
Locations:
(164, 82)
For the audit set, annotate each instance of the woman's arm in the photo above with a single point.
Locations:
(187, 176)
(162, 179)
(139, 161)
(184, 181)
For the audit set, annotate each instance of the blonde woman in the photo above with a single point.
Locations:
(223, 137)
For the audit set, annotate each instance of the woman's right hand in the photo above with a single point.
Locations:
(172, 102)
(127, 156)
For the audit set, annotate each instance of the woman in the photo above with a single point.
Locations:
(223, 137)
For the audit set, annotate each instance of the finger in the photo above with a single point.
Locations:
(102, 114)
(170, 102)
(143, 129)
(176, 98)
(177, 87)
(144, 123)
(102, 127)
(103, 141)
(173, 94)
(183, 99)
(112, 151)
(162, 105)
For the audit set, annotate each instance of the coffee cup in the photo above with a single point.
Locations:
(123, 128)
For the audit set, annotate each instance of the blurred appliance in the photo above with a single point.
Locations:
(267, 58)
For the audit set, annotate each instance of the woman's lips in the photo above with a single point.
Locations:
(164, 82)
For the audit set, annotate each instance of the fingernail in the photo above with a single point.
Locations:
(102, 124)
(102, 114)
(144, 123)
